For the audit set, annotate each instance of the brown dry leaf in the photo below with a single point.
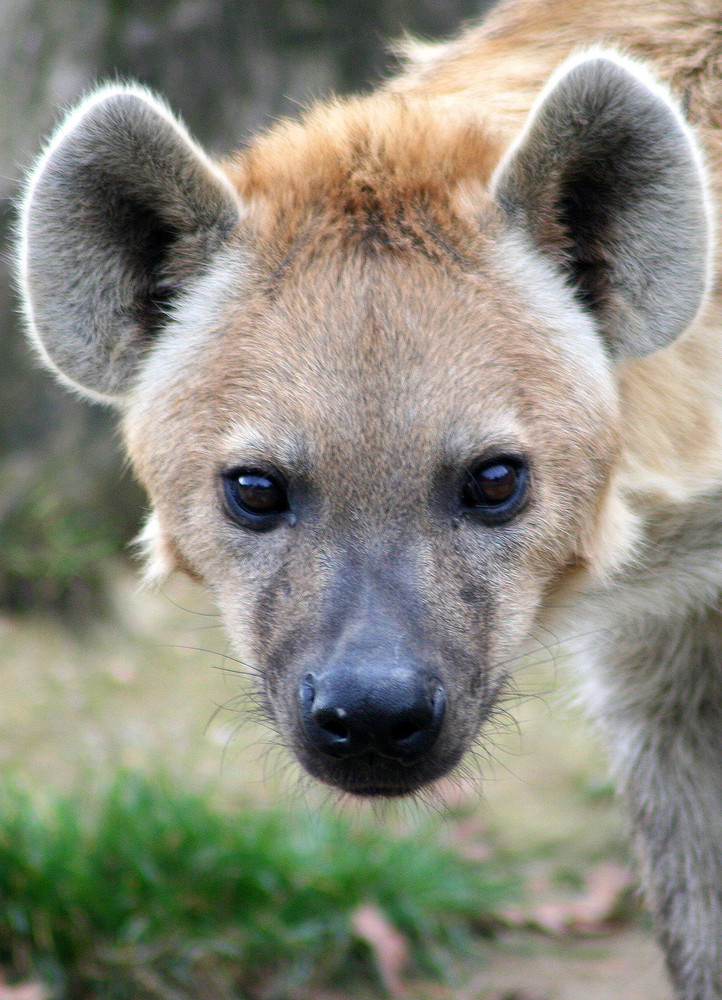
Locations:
(468, 837)
(23, 991)
(388, 944)
(591, 912)
(442, 993)
(607, 884)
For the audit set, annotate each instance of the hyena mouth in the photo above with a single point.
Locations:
(373, 776)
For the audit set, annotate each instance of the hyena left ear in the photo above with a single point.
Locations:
(122, 212)
(606, 180)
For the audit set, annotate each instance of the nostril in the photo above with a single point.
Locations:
(332, 721)
(405, 731)
(412, 726)
(438, 704)
(419, 728)
(326, 724)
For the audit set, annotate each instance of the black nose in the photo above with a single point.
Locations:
(398, 713)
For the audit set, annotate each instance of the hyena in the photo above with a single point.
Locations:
(423, 371)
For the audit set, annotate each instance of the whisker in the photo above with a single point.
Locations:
(248, 671)
(542, 660)
(189, 611)
(552, 648)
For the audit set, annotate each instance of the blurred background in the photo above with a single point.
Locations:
(154, 843)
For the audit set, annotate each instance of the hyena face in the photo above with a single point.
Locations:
(367, 377)
(380, 489)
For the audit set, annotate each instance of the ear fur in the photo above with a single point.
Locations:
(122, 209)
(607, 181)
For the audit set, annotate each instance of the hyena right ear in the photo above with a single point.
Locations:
(122, 211)
(606, 181)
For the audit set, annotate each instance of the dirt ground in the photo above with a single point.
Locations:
(152, 683)
(626, 965)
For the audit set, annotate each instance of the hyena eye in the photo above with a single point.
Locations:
(495, 489)
(254, 498)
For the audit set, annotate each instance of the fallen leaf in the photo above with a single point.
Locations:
(468, 837)
(388, 945)
(23, 991)
(590, 912)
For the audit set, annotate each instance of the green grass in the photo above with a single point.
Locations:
(146, 891)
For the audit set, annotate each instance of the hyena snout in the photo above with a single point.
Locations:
(372, 707)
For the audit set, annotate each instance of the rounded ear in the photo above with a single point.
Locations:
(122, 210)
(606, 180)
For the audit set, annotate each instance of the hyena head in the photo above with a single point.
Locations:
(367, 375)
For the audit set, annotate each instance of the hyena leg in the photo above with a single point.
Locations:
(675, 798)
(673, 787)
(657, 686)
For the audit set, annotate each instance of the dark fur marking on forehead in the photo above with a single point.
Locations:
(365, 228)
(374, 175)
(388, 222)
